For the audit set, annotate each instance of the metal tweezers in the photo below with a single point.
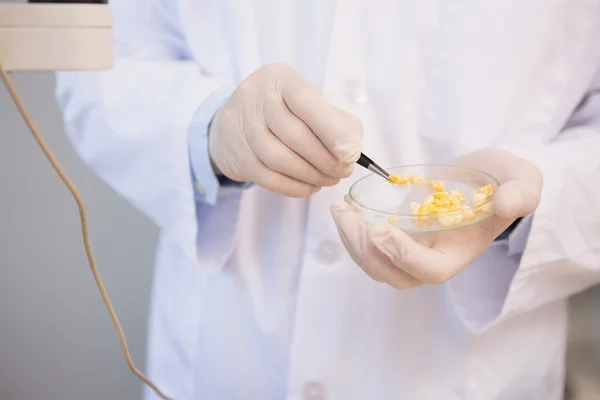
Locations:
(367, 163)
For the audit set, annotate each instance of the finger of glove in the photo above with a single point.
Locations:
(276, 156)
(228, 149)
(341, 134)
(355, 231)
(276, 181)
(428, 265)
(516, 198)
(297, 136)
(336, 211)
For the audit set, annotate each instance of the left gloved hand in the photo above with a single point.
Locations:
(389, 255)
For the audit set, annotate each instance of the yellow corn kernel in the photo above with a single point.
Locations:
(487, 207)
(458, 218)
(479, 199)
(447, 221)
(454, 200)
(428, 200)
(424, 210)
(416, 178)
(414, 207)
(468, 213)
(437, 185)
(458, 195)
(398, 180)
(442, 210)
(442, 203)
(392, 219)
(442, 196)
(486, 190)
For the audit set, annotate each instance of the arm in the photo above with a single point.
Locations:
(556, 251)
(138, 124)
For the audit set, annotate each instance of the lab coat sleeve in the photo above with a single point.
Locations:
(560, 242)
(140, 127)
(206, 183)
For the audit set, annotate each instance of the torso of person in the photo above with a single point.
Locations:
(290, 316)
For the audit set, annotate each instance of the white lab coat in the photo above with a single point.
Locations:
(254, 297)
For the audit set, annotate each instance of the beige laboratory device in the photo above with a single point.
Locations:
(62, 35)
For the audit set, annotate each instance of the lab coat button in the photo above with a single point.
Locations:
(356, 92)
(314, 391)
(328, 252)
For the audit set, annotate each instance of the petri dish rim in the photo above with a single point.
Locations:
(412, 216)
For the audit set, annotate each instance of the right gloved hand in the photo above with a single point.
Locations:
(278, 131)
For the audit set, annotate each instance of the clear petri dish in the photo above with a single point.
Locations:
(380, 202)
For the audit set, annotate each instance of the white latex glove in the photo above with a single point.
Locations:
(389, 255)
(278, 131)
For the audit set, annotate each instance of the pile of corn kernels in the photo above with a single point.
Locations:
(448, 208)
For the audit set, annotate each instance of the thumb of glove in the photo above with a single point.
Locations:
(517, 198)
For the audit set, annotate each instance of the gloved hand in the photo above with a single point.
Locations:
(389, 255)
(278, 131)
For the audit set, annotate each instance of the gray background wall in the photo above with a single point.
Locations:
(56, 339)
